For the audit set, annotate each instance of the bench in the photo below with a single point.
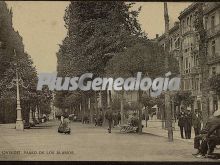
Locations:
(126, 128)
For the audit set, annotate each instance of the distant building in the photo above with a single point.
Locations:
(174, 39)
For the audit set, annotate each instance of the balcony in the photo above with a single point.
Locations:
(214, 59)
(196, 92)
(213, 31)
(210, 7)
(188, 30)
(195, 70)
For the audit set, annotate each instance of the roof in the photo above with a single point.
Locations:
(187, 10)
(210, 6)
(176, 27)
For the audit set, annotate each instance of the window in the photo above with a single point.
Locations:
(182, 84)
(186, 65)
(178, 43)
(197, 60)
(164, 47)
(197, 84)
(171, 43)
(206, 22)
(191, 21)
(187, 21)
(183, 26)
(212, 22)
(213, 47)
(213, 71)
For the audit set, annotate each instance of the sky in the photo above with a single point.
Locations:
(41, 26)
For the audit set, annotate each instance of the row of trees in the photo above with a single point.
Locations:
(105, 38)
(12, 57)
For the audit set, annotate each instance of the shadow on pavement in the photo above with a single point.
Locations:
(214, 156)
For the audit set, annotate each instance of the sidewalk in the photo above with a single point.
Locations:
(155, 127)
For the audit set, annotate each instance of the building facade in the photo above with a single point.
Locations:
(184, 45)
(174, 40)
(212, 25)
(189, 55)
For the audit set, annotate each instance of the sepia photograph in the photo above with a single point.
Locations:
(109, 81)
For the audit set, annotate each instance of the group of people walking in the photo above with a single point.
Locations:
(187, 120)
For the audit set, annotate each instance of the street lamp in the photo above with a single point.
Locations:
(19, 120)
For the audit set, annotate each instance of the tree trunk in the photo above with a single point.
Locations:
(104, 103)
(146, 114)
(92, 105)
(83, 107)
(199, 27)
(140, 113)
(122, 108)
(169, 116)
(96, 104)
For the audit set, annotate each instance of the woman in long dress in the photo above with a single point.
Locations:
(64, 125)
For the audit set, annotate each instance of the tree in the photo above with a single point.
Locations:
(214, 83)
(11, 40)
(96, 31)
(201, 32)
(145, 57)
(184, 98)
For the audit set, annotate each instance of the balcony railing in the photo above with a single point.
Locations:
(213, 31)
(196, 92)
(195, 70)
(214, 59)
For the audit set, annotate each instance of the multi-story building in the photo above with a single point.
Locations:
(212, 25)
(189, 57)
(174, 40)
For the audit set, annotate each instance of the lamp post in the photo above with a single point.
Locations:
(167, 94)
(19, 121)
(18, 81)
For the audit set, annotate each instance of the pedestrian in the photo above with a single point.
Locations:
(196, 121)
(115, 119)
(100, 118)
(188, 123)
(146, 117)
(181, 121)
(119, 118)
(95, 119)
(109, 118)
(134, 120)
(64, 125)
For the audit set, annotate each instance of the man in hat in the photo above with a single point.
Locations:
(109, 117)
(196, 121)
(206, 135)
(181, 121)
(188, 123)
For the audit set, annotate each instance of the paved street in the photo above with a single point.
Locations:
(89, 143)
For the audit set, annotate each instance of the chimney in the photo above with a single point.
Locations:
(157, 36)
